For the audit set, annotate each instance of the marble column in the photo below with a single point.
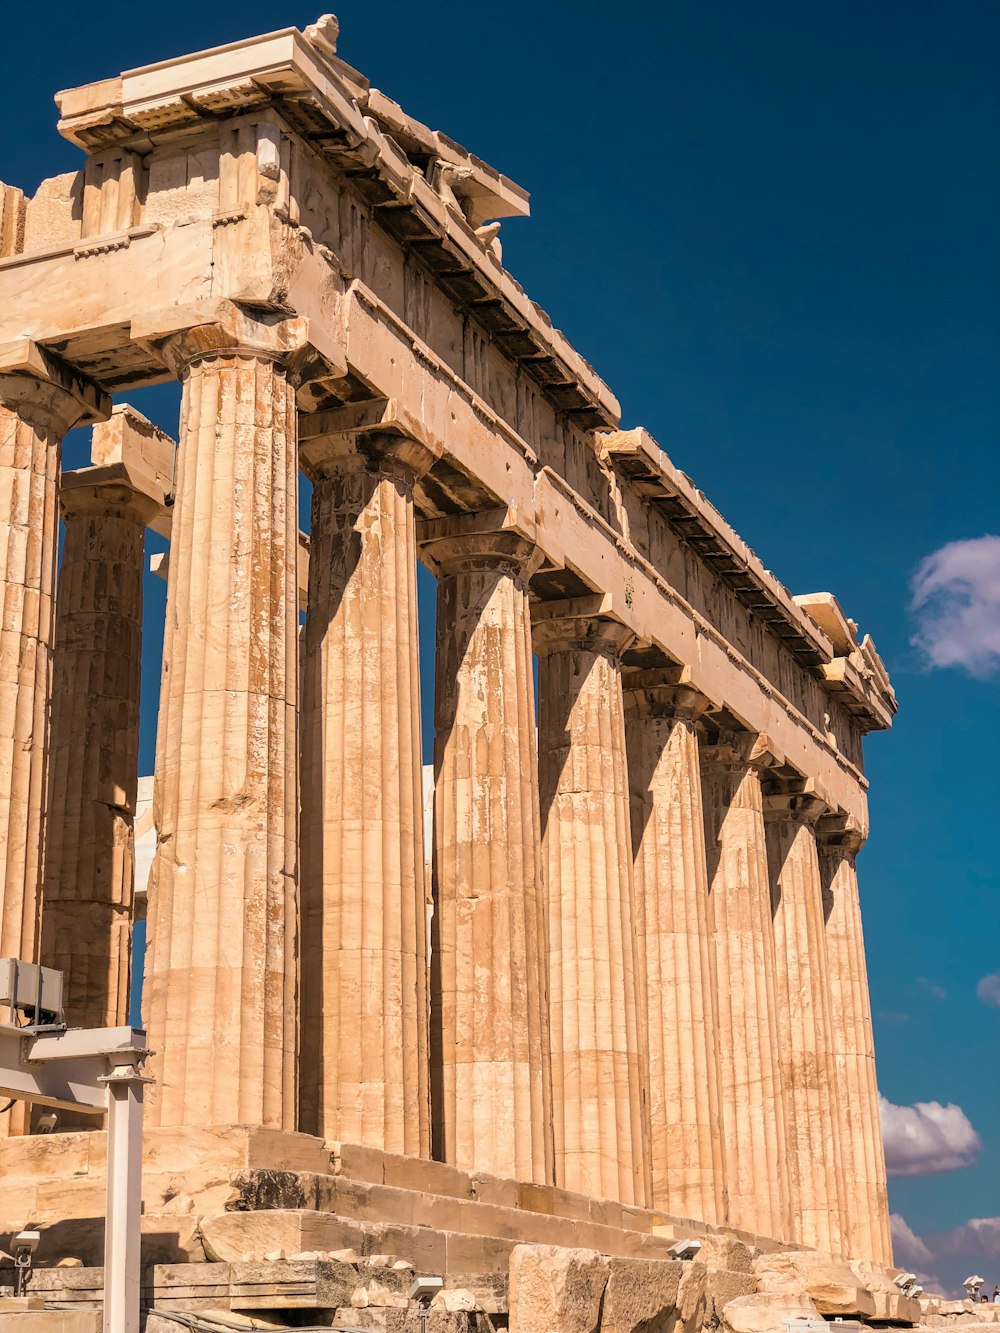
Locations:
(805, 1030)
(490, 1032)
(38, 404)
(89, 852)
(364, 1062)
(600, 1119)
(221, 978)
(673, 928)
(865, 1222)
(750, 1072)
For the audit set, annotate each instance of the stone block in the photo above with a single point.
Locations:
(724, 1286)
(894, 1307)
(692, 1297)
(477, 1254)
(606, 1212)
(190, 1286)
(765, 1313)
(51, 1321)
(553, 1202)
(490, 1290)
(417, 1173)
(380, 1320)
(641, 1296)
(235, 1237)
(727, 1253)
(289, 1285)
(496, 1190)
(555, 1289)
(358, 1162)
(829, 1283)
(281, 1150)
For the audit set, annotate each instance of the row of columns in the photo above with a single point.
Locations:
(634, 991)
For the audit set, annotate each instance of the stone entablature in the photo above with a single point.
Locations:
(662, 879)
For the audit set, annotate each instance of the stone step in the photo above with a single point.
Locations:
(57, 1182)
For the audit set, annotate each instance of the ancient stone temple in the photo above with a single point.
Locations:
(639, 1013)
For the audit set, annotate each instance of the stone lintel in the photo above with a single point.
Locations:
(841, 831)
(738, 749)
(85, 402)
(496, 534)
(663, 692)
(378, 448)
(449, 203)
(793, 798)
(823, 640)
(179, 334)
(586, 623)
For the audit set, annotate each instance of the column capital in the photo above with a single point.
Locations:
(490, 538)
(735, 749)
(133, 464)
(581, 623)
(663, 692)
(384, 453)
(105, 490)
(235, 332)
(841, 833)
(790, 798)
(40, 388)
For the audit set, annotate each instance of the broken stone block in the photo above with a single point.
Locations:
(829, 1283)
(641, 1296)
(556, 1290)
(765, 1313)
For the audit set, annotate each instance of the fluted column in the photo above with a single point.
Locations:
(866, 1218)
(804, 1025)
(490, 1037)
(364, 1064)
(598, 1027)
(221, 980)
(673, 926)
(750, 1071)
(37, 406)
(88, 882)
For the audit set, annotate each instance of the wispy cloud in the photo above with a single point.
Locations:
(956, 602)
(926, 1138)
(932, 988)
(988, 989)
(894, 1018)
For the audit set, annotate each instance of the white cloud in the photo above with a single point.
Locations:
(908, 1250)
(988, 989)
(926, 1138)
(979, 1237)
(951, 1254)
(956, 602)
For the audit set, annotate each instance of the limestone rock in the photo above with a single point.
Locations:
(724, 1286)
(229, 1237)
(641, 1296)
(692, 1296)
(455, 1300)
(727, 1253)
(765, 1313)
(829, 1283)
(556, 1290)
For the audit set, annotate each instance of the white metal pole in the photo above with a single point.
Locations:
(123, 1223)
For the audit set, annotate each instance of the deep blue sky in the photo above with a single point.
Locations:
(773, 230)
